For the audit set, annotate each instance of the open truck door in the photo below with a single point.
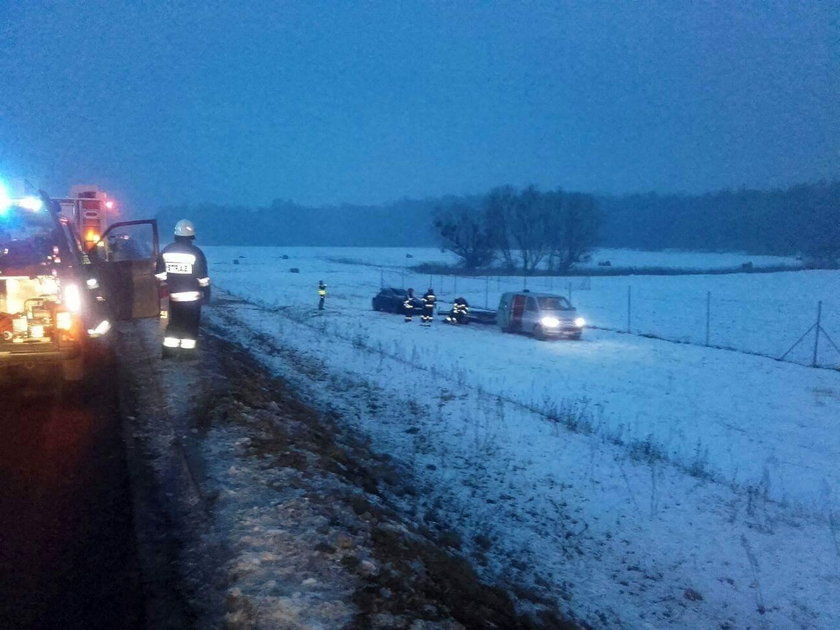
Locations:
(125, 257)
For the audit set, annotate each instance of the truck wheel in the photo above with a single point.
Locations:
(539, 333)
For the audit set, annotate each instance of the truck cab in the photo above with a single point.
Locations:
(542, 315)
(59, 301)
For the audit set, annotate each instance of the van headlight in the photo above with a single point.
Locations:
(580, 322)
(550, 322)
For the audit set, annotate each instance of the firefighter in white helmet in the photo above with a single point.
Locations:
(183, 267)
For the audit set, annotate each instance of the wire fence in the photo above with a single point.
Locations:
(745, 315)
(785, 330)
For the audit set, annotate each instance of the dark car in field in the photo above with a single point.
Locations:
(391, 300)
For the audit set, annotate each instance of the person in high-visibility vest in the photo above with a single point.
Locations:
(428, 308)
(322, 294)
(459, 312)
(408, 305)
(183, 267)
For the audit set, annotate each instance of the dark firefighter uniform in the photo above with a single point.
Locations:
(322, 294)
(459, 312)
(183, 267)
(429, 300)
(408, 305)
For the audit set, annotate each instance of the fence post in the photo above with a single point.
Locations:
(486, 290)
(817, 333)
(708, 313)
(628, 308)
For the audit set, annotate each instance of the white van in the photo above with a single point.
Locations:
(542, 315)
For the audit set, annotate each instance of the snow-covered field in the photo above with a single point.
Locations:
(752, 312)
(641, 483)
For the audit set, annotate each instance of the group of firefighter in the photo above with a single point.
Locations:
(458, 314)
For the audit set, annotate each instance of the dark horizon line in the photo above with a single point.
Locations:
(386, 204)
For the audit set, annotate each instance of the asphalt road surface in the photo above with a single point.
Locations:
(67, 552)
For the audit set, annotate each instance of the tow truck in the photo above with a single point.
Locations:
(58, 297)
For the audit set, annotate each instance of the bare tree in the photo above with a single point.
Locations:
(573, 230)
(464, 232)
(498, 212)
(524, 227)
(529, 227)
(519, 225)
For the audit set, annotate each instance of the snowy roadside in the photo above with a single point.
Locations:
(549, 509)
(276, 516)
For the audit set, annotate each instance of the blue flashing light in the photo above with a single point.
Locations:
(5, 201)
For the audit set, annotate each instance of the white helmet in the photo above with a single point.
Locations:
(184, 228)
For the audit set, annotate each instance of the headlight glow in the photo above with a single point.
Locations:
(72, 298)
(550, 322)
(580, 322)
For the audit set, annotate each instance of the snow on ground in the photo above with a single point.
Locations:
(759, 313)
(254, 512)
(638, 482)
(674, 259)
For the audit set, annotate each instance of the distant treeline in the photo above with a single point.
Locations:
(403, 223)
(802, 219)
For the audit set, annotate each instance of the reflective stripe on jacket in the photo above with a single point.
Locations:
(184, 268)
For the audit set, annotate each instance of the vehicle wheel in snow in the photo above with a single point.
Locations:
(539, 333)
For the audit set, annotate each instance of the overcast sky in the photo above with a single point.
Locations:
(367, 102)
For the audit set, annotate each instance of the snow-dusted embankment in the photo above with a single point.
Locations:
(635, 480)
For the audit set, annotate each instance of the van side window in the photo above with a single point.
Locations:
(531, 304)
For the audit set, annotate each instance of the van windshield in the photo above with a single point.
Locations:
(554, 303)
